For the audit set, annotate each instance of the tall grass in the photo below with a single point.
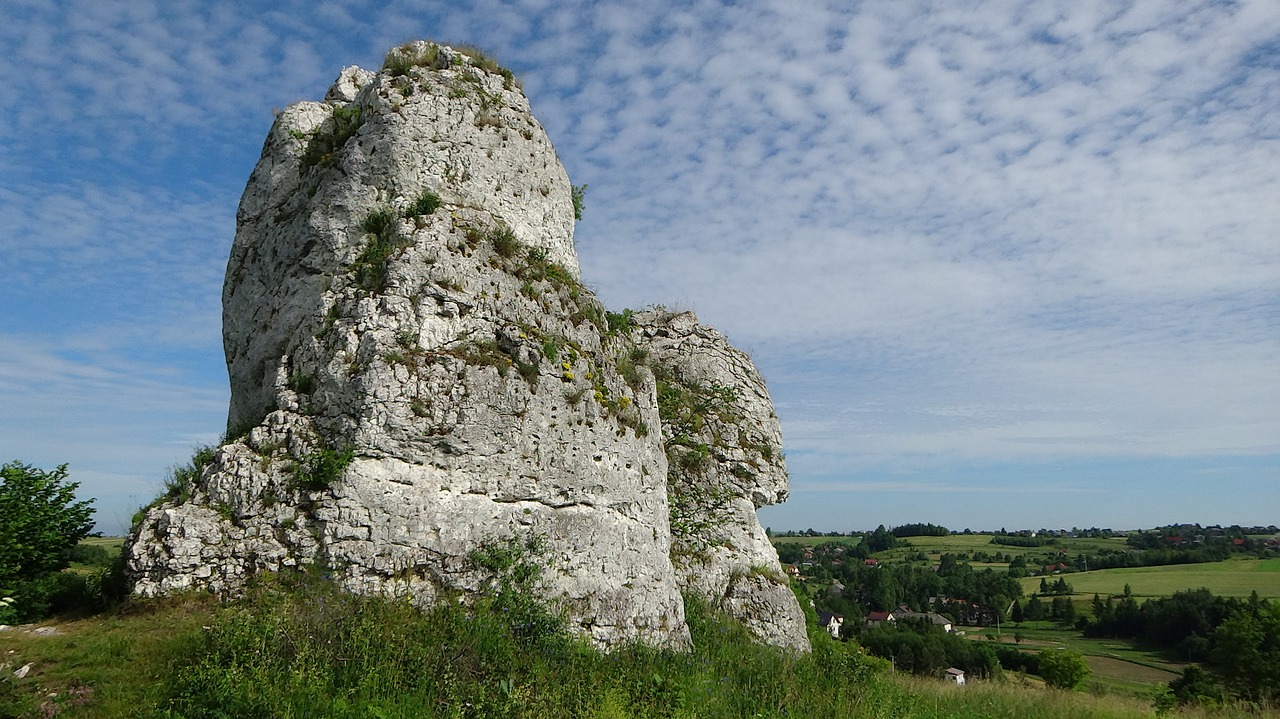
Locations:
(296, 647)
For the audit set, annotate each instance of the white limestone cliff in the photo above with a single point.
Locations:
(417, 373)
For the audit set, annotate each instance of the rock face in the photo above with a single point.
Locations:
(724, 452)
(417, 373)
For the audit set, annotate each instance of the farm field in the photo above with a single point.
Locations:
(1118, 666)
(111, 544)
(935, 547)
(1232, 578)
(959, 543)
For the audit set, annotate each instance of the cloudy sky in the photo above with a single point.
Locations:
(1003, 264)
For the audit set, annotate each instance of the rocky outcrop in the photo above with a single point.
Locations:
(417, 373)
(724, 452)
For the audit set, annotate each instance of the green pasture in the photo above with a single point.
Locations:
(1118, 665)
(111, 544)
(1232, 578)
(959, 543)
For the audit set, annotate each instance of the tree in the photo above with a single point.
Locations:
(1063, 668)
(40, 521)
(1034, 610)
(1247, 651)
(1196, 686)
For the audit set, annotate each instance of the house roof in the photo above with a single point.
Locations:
(930, 617)
(955, 672)
(879, 616)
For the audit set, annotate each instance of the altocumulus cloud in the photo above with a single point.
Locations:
(953, 237)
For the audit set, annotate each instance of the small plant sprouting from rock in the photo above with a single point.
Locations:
(301, 382)
(330, 137)
(504, 241)
(539, 267)
(400, 60)
(183, 479)
(479, 58)
(577, 193)
(426, 203)
(484, 353)
(371, 268)
(620, 323)
(324, 466)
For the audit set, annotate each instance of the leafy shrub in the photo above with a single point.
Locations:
(1062, 668)
(40, 522)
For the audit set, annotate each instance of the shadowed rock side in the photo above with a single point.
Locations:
(417, 373)
(724, 452)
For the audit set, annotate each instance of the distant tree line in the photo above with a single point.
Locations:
(920, 530)
(1018, 540)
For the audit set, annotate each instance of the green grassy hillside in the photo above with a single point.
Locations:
(1232, 578)
(297, 648)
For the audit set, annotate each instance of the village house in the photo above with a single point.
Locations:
(878, 618)
(931, 617)
(831, 622)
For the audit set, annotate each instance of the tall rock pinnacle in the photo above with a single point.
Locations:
(417, 373)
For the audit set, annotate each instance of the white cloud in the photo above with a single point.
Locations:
(999, 231)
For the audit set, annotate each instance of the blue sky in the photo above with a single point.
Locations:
(1002, 264)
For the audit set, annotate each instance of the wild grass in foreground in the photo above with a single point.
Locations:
(298, 648)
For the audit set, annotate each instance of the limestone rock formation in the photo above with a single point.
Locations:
(724, 452)
(418, 373)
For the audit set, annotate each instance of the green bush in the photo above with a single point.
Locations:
(324, 466)
(372, 267)
(1062, 668)
(182, 479)
(40, 523)
(620, 323)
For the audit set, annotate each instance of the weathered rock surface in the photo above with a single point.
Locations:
(724, 451)
(418, 373)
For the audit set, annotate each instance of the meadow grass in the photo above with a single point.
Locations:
(1119, 665)
(1231, 578)
(295, 647)
(957, 543)
(960, 543)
